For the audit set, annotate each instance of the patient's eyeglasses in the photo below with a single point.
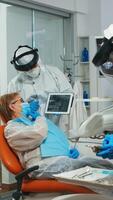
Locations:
(19, 99)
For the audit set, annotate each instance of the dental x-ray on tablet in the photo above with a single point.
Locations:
(59, 103)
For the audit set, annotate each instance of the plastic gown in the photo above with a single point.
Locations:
(50, 79)
(26, 140)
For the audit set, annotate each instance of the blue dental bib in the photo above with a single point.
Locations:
(56, 143)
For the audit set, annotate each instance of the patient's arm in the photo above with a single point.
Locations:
(21, 137)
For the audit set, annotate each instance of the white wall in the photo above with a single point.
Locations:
(100, 12)
(61, 4)
(3, 50)
(69, 5)
(106, 13)
(94, 17)
(81, 6)
(89, 23)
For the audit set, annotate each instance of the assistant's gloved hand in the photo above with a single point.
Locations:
(108, 141)
(107, 147)
(73, 153)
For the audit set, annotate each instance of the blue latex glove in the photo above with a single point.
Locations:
(34, 104)
(107, 147)
(73, 153)
(34, 107)
(28, 112)
(108, 141)
(34, 115)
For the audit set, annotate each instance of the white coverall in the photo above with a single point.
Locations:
(25, 142)
(50, 79)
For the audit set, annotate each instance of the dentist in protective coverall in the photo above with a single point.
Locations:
(103, 121)
(33, 78)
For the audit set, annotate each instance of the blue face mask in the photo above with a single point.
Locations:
(25, 109)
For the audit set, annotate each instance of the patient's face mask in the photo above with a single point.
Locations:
(33, 73)
(108, 72)
(107, 68)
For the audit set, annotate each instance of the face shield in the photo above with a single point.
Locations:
(25, 58)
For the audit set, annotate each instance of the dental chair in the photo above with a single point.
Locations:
(27, 185)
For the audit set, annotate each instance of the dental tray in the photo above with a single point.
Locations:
(99, 180)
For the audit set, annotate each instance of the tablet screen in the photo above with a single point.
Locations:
(59, 103)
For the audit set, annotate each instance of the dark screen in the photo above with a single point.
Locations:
(58, 103)
(99, 42)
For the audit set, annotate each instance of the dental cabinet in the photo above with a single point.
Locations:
(97, 91)
(83, 68)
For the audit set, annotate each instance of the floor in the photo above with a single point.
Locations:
(7, 190)
(32, 196)
(42, 196)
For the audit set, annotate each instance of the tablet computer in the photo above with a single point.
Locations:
(59, 103)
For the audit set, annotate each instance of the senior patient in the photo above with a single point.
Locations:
(40, 142)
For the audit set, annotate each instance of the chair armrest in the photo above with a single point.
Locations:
(25, 172)
(18, 193)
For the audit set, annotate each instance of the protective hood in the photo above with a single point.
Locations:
(104, 56)
(25, 58)
(105, 53)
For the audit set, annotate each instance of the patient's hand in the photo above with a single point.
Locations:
(73, 153)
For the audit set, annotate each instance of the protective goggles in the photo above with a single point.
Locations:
(107, 68)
